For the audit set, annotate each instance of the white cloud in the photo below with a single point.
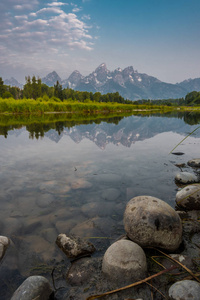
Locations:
(76, 9)
(51, 23)
(57, 4)
(31, 32)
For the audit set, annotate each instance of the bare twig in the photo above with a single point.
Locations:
(131, 285)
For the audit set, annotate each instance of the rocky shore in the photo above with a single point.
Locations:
(159, 242)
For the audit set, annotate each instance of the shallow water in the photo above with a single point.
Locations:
(78, 180)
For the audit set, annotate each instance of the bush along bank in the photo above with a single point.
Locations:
(160, 249)
(40, 106)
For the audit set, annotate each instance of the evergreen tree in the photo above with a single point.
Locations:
(2, 87)
(58, 92)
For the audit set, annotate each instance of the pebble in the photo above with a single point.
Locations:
(185, 290)
(189, 197)
(186, 178)
(74, 246)
(195, 163)
(4, 243)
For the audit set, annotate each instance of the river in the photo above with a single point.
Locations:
(66, 178)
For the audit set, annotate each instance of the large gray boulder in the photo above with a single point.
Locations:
(73, 246)
(185, 290)
(4, 243)
(124, 262)
(195, 163)
(189, 197)
(149, 221)
(34, 287)
(186, 178)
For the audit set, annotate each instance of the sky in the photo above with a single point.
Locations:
(158, 37)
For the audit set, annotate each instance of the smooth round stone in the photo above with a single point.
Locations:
(195, 163)
(186, 178)
(124, 262)
(185, 290)
(189, 197)
(4, 243)
(149, 221)
(34, 287)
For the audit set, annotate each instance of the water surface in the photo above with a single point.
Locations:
(64, 178)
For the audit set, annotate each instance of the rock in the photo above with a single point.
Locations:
(124, 262)
(149, 221)
(34, 287)
(185, 290)
(86, 229)
(4, 243)
(81, 271)
(178, 153)
(100, 209)
(110, 194)
(189, 214)
(73, 246)
(186, 178)
(195, 163)
(189, 197)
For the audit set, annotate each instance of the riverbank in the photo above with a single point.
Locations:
(30, 106)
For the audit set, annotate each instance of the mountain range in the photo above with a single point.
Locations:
(128, 82)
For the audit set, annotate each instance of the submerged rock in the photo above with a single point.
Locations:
(74, 246)
(186, 178)
(149, 221)
(110, 194)
(124, 262)
(185, 290)
(34, 287)
(82, 270)
(189, 197)
(195, 163)
(4, 243)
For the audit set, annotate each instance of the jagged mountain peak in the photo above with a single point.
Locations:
(51, 78)
(74, 79)
(101, 67)
(76, 74)
(128, 70)
(13, 82)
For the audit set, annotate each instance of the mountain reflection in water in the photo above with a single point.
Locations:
(103, 131)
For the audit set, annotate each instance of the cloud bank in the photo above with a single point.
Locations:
(31, 32)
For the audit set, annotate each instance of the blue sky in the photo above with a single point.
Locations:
(157, 37)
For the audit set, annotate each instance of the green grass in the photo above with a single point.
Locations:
(30, 106)
(40, 106)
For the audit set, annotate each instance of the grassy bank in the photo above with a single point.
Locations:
(30, 106)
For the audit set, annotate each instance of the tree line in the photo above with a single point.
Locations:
(35, 89)
(191, 99)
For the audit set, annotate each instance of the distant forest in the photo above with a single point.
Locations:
(35, 89)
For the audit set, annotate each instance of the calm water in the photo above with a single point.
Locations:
(78, 179)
